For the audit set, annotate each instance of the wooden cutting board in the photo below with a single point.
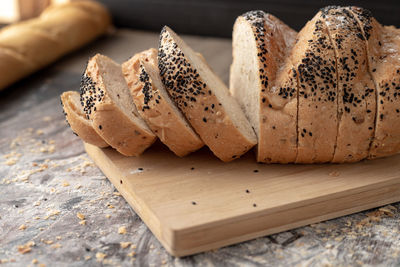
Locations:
(198, 203)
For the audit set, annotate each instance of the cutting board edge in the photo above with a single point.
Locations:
(179, 251)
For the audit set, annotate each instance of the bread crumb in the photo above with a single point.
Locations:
(387, 211)
(100, 256)
(83, 222)
(80, 216)
(108, 216)
(65, 184)
(131, 254)
(122, 230)
(3, 261)
(42, 265)
(116, 193)
(56, 245)
(22, 227)
(78, 186)
(334, 174)
(39, 132)
(37, 203)
(88, 257)
(133, 246)
(34, 261)
(10, 162)
(110, 206)
(27, 247)
(48, 242)
(52, 214)
(36, 218)
(58, 237)
(125, 244)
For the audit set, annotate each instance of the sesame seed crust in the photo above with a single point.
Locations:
(317, 105)
(117, 126)
(355, 87)
(160, 115)
(384, 60)
(277, 103)
(192, 94)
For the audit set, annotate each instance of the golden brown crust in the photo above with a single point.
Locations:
(356, 89)
(314, 59)
(109, 121)
(164, 120)
(59, 30)
(77, 121)
(198, 102)
(383, 44)
(277, 133)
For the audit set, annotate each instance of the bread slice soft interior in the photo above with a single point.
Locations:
(77, 120)
(109, 104)
(155, 105)
(203, 98)
(263, 81)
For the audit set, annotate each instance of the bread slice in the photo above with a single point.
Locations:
(314, 59)
(77, 120)
(263, 81)
(108, 104)
(383, 43)
(356, 102)
(204, 99)
(155, 106)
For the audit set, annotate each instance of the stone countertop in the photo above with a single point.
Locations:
(57, 208)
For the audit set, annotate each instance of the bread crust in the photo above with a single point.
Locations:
(314, 59)
(169, 126)
(356, 103)
(198, 102)
(383, 43)
(40, 41)
(277, 101)
(109, 121)
(76, 119)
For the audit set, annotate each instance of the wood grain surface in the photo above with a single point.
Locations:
(46, 179)
(197, 203)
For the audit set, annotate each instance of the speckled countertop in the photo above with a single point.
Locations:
(57, 208)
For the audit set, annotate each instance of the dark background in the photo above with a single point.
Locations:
(216, 18)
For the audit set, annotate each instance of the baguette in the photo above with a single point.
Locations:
(203, 99)
(30, 45)
(108, 104)
(155, 106)
(77, 120)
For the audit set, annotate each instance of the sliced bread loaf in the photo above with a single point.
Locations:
(156, 107)
(109, 105)
(264, 82)
(356, 98)
(383, 43)
(203, 98)
(77, 120)
(314, 59)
